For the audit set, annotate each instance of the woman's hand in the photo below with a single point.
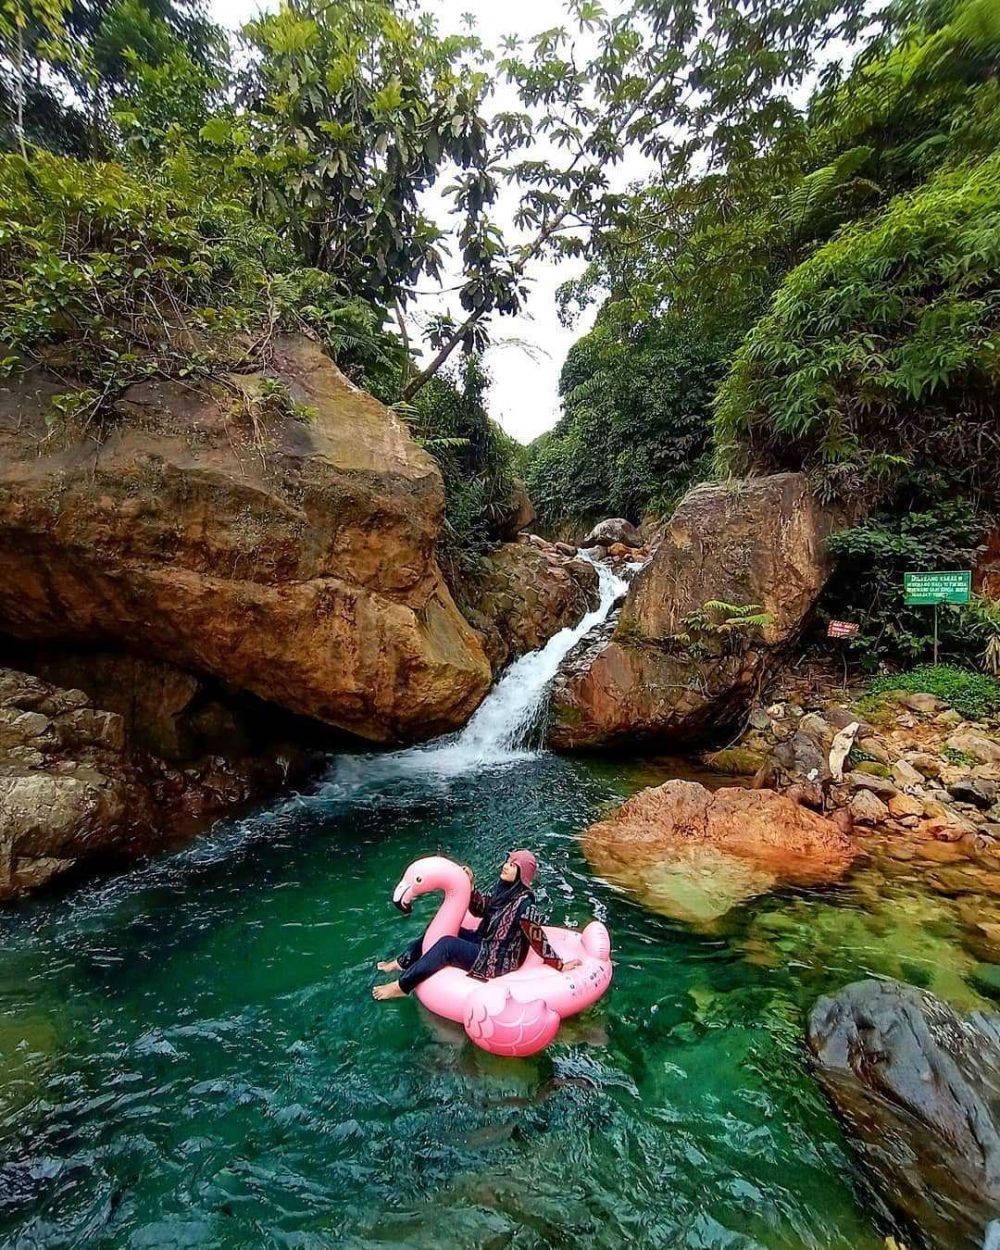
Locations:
(570, 964)
(469, 873)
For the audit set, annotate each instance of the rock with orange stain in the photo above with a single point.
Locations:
(692, 853)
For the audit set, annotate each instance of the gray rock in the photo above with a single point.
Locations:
(876, 749)
(867, 808)
(613, 530)
(919, 702)
(817, 727)
(881, 786)
(906, 776)
(977, 745)
(918, 1087)
(979, 791)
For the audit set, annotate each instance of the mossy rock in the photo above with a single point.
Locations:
(736, 761)
(872, 768)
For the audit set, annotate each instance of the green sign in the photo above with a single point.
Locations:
(931, 588)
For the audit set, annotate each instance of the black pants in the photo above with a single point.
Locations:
(455, 952)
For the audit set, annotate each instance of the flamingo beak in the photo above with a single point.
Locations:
(401, 897)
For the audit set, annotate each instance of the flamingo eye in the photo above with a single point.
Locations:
(417, 880)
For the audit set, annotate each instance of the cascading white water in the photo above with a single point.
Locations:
(507, 717)
(502, 726)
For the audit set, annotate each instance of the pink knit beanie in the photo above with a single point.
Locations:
(527, 864)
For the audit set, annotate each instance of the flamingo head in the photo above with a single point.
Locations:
(424, 876)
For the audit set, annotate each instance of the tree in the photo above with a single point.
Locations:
(28, 29)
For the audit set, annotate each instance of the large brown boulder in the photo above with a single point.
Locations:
(918, 1087)
(692, 853)
(522, 594)
(679, 663)
(278, 534)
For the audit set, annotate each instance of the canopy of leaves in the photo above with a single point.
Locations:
(637, 404)
(112, 276)
(449, 418)
(883, 345)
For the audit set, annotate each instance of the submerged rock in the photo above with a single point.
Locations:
(275, 533)
(693, 854)
(919, 1089)
(673, 668)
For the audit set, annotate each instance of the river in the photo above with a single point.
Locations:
(191, 1057)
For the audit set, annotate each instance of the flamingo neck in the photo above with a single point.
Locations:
(449, 916)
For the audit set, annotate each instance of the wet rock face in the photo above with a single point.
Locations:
(918, 1087)
(523, 595)
(666, 676)
(692, 853)
(74, 789)
(284, 546)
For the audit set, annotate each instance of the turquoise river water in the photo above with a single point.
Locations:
(191, 1058)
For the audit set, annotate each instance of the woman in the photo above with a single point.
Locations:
(509, 928)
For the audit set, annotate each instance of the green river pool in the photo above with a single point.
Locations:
(191, 1057)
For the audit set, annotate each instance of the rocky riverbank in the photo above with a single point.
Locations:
(900, 765)
(77, 788)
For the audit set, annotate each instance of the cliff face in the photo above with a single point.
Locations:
(277, 535)
(77, 787)
(663, 674)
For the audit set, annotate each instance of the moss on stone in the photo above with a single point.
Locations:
(736, 761)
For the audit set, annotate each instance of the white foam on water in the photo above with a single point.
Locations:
(502, 729)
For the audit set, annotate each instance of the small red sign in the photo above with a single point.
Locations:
(842, 629)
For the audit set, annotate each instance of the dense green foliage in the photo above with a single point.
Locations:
(882, 349)
(973, 694)
(111, 276)
(476, 458)
(635, 424)
(867, 586)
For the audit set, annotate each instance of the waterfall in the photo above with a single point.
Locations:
(504, 725)
(510, 714)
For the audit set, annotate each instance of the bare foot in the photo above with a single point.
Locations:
(388, 965)
(392, 990)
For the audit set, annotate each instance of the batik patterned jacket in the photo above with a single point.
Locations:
(507, 931)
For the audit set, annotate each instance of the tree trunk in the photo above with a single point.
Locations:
(19, 92)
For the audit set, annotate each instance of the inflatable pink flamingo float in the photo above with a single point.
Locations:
(517, 1014)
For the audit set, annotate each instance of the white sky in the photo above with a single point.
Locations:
(529, 349)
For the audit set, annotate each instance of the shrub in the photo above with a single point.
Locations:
(635, 425)
(881, 349)
(867, 585)
(110, 276)
(975, 695)
(476, 458)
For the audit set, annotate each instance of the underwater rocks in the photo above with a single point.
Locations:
(680, 662)
(918, 1087)
(522, 594)
(693, 854)
(74, 789)
(274, 532)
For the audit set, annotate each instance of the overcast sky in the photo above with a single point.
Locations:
(528, 350)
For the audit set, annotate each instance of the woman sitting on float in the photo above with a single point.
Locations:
(509, 928)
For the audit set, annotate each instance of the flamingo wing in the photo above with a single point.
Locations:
(496, 1021)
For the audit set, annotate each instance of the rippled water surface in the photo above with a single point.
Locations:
(191, 1056)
